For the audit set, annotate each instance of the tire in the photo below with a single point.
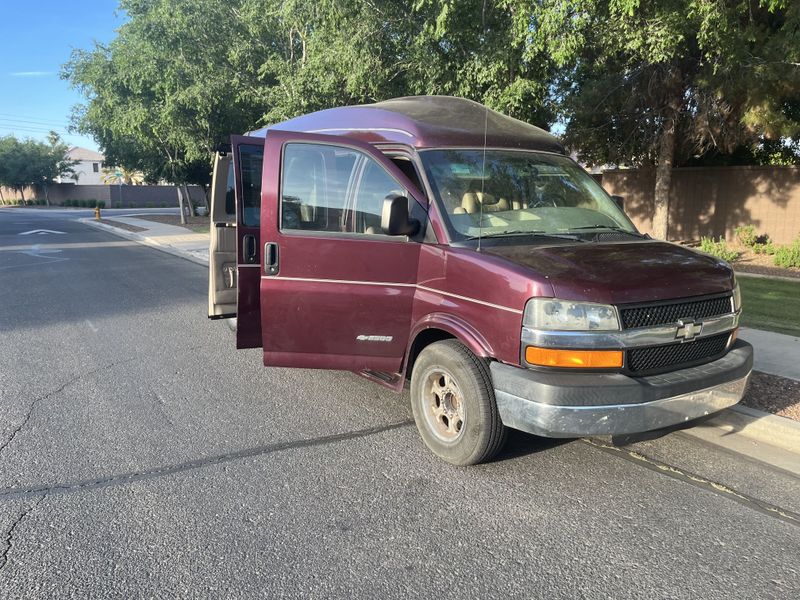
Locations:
(453, 402)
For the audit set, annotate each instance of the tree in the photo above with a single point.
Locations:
(31, 163)
(655, 83)
(169, 88)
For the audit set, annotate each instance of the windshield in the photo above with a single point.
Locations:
(519, 193)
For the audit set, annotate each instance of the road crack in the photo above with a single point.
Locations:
(40, 399)
(164, 471)
(9, 541)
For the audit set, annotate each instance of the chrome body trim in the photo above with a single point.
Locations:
(627, 338)
(575, 421)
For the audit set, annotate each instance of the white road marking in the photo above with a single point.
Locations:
(92, 327)
(41, 232)
(38, 252)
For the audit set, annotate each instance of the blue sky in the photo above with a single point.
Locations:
(38, 37)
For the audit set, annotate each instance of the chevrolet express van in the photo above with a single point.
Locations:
(432, 240)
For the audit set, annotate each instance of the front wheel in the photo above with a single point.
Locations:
(452, 399)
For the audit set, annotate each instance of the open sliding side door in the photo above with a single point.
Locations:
(248, 158)
(222, 244)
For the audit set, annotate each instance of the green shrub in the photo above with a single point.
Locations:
(117, 204)
(149, 205)
(719, 249)
(788, 256)
(767, 248)
(746, 234)
(101, 204)
(91, 203)
(40, 202)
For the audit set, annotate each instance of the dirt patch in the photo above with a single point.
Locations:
(124, 226)
(196, 224)
(773, 394)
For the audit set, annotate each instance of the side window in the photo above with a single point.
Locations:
(251, 159)
(373, 188)
(230, 192)
(313, 188)
(334, 189)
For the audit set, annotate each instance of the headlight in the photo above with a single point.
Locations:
(550, 313)
(737, 298)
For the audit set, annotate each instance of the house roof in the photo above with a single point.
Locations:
(424, 122)
(78, 153)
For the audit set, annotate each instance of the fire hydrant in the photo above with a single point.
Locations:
(97, 213)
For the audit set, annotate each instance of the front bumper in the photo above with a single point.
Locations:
(559, 404)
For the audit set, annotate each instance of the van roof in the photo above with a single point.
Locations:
(423, 122)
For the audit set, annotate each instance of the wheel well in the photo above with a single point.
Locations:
(424, 338)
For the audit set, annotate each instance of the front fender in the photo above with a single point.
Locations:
(458, 328)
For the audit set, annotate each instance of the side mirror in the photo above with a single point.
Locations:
(395, 219)
(619, 201)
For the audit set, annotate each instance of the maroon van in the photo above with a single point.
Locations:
(433, 240)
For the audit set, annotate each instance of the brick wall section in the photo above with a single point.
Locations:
(130, 196)
(714, 201)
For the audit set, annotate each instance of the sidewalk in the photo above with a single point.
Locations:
(178, 241)
(776, 353)
(758, 434)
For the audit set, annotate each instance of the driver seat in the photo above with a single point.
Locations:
(474, 201)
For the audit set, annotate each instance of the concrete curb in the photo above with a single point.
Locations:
(760, 276)
(146, 241)
(755, 434)
(764, 427)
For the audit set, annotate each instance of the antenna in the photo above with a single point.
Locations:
(485, 126)
(483, 176)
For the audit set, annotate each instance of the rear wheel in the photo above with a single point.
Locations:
(452, 399)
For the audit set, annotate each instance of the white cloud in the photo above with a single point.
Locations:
(32, 73)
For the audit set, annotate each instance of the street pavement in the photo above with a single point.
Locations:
(141, 455)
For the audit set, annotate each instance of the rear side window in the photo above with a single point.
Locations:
(333, 189)
(251, 159)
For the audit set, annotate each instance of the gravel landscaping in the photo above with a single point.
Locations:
(761, 264)
(777, 395)
(195, 224)
(124, 226)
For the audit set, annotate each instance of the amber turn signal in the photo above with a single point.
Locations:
(587, 359)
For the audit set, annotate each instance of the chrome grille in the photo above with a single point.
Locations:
(672, 356)
(661, 313)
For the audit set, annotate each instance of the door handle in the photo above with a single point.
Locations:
(249, 249)
(271, 259)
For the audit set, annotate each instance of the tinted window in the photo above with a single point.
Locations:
(251, 159)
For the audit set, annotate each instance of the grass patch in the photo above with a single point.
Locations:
(771, 304)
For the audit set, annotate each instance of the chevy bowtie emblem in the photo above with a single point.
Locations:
(688, 329)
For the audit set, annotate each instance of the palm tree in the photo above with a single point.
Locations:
(120, 175)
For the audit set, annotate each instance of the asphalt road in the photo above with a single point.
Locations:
(142, 456)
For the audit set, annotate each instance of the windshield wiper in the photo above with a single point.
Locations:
(607, 228)
(543, 234)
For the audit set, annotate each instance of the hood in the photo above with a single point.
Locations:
(620, 273)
